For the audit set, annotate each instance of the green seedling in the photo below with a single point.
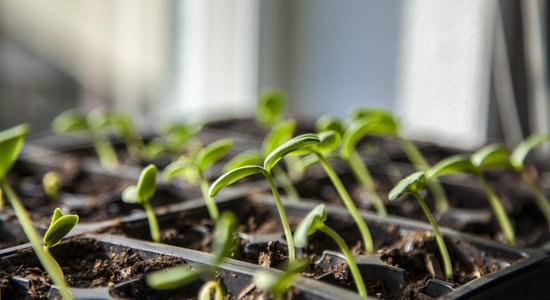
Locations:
(11, 142)
(315, 221)
(492, 156)
(279, 283)
(292, 146)
(141, 194)
(517, 159)
(354, 161)
(382, 122)
(414, 184)
(279, 134)
(174, 139)
(225, 242)
(60, 226)
(95, 124)
(51, 184)
(194, 170)
(126, 129)
(270, 107)
(328, 142)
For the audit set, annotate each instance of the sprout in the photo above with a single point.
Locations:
(194, 170)
(315, 221)
(174, 139)
(382, 122)
(94, 124)
(271, 106)
(353, 159)
(141, 194)
(207, 288)
(328, 141)
(51, 183)
(225, 241)
(279, 283)
(414, 184)
(517, 161)
(125, 128)
(278, 134)
(60, 226)
(294, 145)
(11, 141)
(492, 156)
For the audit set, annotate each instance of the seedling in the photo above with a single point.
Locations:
(195, 169)
(279, 134)
(328, 141)
(225, 241)
(492, 156)
(517, 161)
(315, 221)
(11, 141)
(60, 226)
(414, 184)
(141, 194)
(94, 124)
(270, 107)
(51, 184)
(126, 129)
(173, 140)
(354, 161)
(298, 143)
(382, 122)
(279, 283)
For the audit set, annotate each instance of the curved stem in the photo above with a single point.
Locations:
(53, 261)
(448, 267)
(362, 175)
(359, 283)
(363, 229)
(286, 184)
(210, 203)
(204, 293)
(35, 240)
(500, 212)
(153, 222)
(540, 199)
(441, 201)
(282, 215)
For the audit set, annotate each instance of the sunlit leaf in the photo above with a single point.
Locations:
(295, 144)
(271, 106)
(232, 176)
(451, 165)
(491, 156)
(326, 123)
(279, 134)
(59, 229)
(309, 225)
(358, 129)
(412, 183)
(212, 153)
(70, 121)
(178, 168)
(129, 195)
(11, 141)
(147, 184)
(330, 140)
(172, 278)
(279, 283)
(225, 236)
(521, 150)
(251, 157)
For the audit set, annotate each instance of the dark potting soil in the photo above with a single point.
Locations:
(86, 264)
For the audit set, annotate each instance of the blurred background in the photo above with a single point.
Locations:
(458, 73)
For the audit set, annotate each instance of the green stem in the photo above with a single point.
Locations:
(540, 199)
(153, 222)
(363, 175)
(363, 229)
(105, 152)
(448, 267)
(359, 283)
(282, 214)
(210, 203)
(204, 293)
(441, 201)
(500, 212)
(35, 240)
(53, 261)
(286, 184)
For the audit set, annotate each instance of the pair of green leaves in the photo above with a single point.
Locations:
(145, 188)
(225, 241)
(309, 225)
(11, 142)
(59, 227)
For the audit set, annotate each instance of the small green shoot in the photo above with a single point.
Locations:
(11, 142)
(174, 139)
(51, 184)
(492, 156)
(382, 122)
(126, 129)
(141, 194)
(278, 284)
(270, 107)
(60, 226)
(315, 221)
(414, 184)
(517, 161)
(208, 288)
(225, 242)
(195, 169)
(294, 145)
(94, 124)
